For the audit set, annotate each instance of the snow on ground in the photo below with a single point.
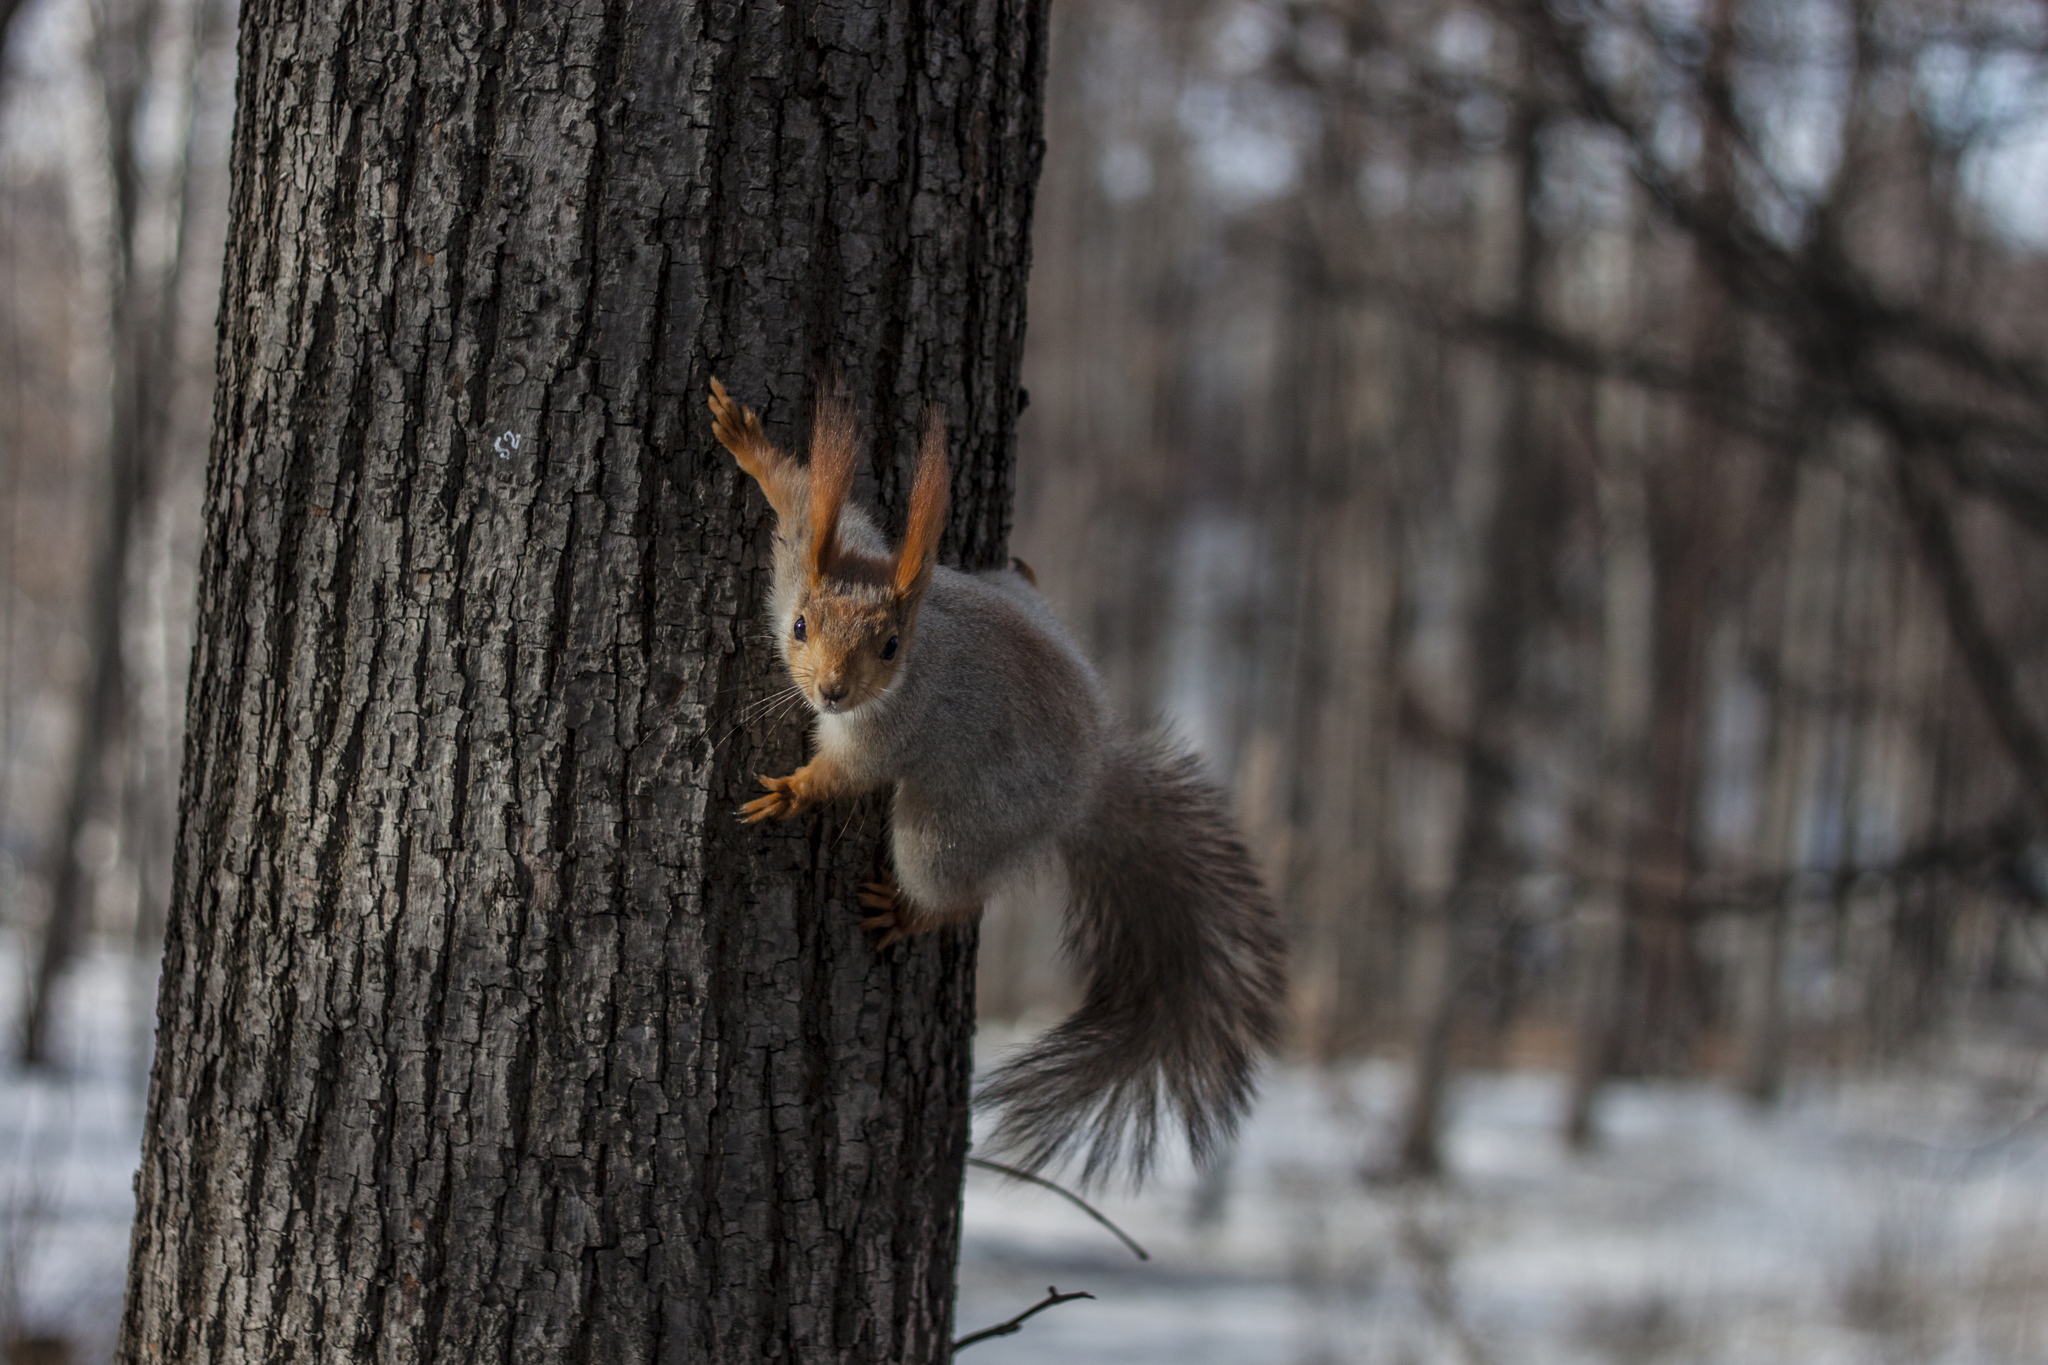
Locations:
(70, 1139)
(1902, 1219)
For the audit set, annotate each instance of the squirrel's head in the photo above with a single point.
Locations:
(854, 617)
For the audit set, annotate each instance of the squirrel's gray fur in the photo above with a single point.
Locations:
(994, 732)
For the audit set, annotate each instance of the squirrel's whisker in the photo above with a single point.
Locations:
(785, 698)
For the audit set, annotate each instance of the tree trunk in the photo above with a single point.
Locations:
(1798, 660)
(1511, 530)
(486, 1032)
(1608, 826)
(123, 37)
(1692, 511)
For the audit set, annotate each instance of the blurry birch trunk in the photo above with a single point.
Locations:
(1627, 651)
(1608, 828)
(1689, 496)
(1849, 678)
(123, 43)
(1502, 523)
(1345, 931)
(1908, 988)
(487, 1033)
(1316, 774)
(1129, 385)
(156, 650)
(1802, 631)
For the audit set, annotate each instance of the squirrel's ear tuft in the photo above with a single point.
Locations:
(835, 444)
(920, 548)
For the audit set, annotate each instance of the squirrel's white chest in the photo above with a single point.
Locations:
(833, 732)
(845, 738)
(858, 741)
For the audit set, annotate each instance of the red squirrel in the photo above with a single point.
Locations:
(962, 693)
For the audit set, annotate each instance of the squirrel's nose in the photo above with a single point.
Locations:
(835, 693)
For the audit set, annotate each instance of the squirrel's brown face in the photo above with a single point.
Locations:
(852, 623)
(844, 646)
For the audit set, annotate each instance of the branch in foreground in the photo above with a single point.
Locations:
(1065, 1194)
(1003, 1329)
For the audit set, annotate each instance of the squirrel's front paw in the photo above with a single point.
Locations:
(782, 801)
(734, 424)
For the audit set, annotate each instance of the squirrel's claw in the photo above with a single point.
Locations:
(895, 934)
(780, 803)
(886, 897)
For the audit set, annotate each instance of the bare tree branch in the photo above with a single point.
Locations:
(1076, 1200)
(1816, 296)
(1004, 1329)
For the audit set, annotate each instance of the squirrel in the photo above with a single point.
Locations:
(963, 693)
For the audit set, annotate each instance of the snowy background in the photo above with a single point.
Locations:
(1903, 1218)
(1894, 1218)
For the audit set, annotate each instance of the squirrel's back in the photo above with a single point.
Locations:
(993, 735)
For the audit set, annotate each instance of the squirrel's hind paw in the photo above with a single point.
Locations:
(895, 932)
(895, 917)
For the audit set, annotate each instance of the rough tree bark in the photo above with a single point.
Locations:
(486, 1032)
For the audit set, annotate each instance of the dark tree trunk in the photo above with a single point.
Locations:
(1514, 531)
(1693, 511)
(487, 1033)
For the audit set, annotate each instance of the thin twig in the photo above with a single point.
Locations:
(1067, 1195)
(1003, 1329)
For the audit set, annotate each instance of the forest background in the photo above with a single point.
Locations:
(1577, 471)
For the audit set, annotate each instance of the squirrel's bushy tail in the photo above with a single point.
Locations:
(1182, 952)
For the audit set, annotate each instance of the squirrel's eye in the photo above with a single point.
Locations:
(799, 631)
(889, 650)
